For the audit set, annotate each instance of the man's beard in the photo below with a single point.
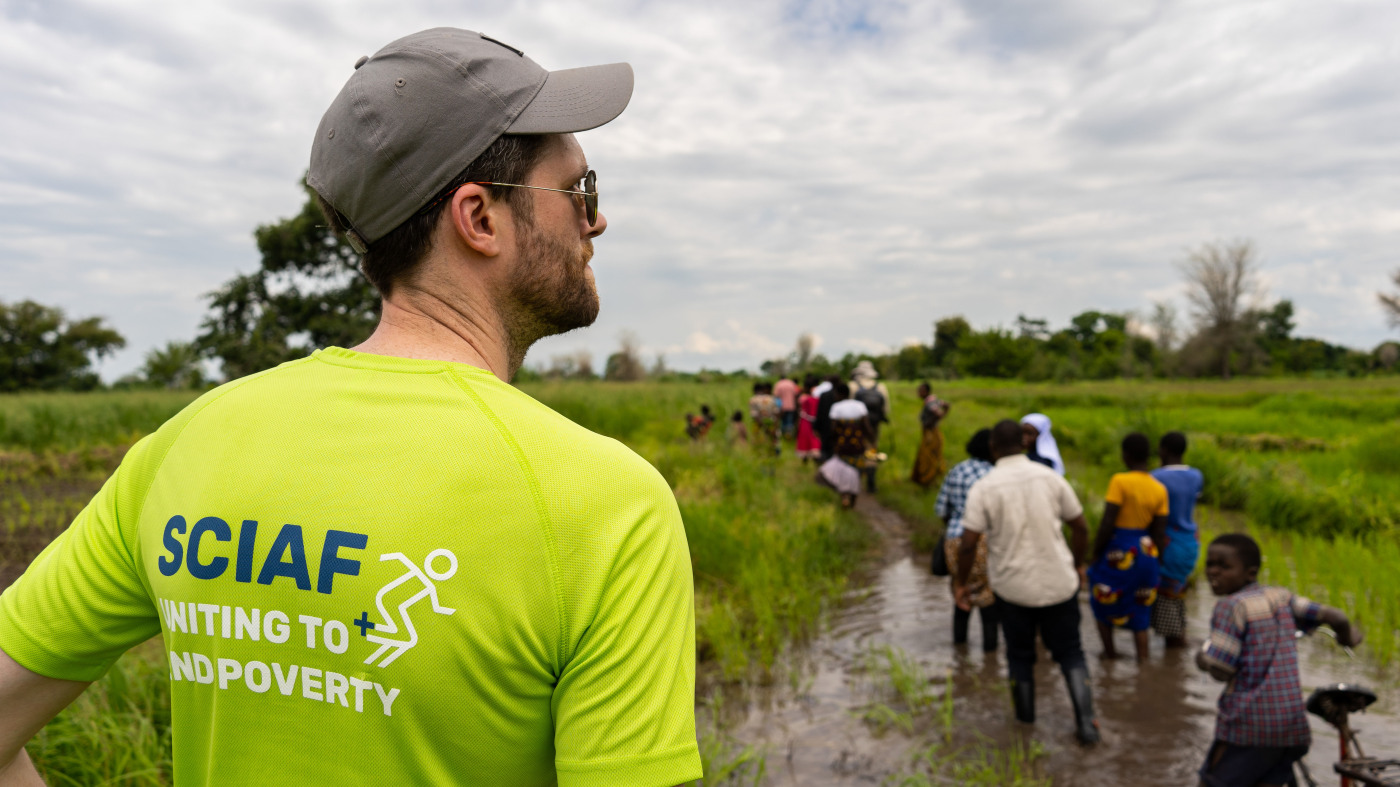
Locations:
(553, 293)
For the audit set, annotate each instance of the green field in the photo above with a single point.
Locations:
(1312, 467)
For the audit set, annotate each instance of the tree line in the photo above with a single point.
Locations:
(308, 293)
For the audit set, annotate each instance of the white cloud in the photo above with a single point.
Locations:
(855, 169)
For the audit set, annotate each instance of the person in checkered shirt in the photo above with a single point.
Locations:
(1262, 725)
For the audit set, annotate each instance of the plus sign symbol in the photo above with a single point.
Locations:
(363, 623)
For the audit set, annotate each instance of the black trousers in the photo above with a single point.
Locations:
(1058, 625)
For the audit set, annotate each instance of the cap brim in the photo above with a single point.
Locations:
(576, 99)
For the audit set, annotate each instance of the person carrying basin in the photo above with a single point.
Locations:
(1020, 508)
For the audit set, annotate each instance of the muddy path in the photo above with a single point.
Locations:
(1157, 719)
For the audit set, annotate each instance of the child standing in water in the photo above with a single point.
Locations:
(1124, 575)
(1262, 725)
(1182, 546)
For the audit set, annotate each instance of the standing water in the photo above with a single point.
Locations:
(1156, 718)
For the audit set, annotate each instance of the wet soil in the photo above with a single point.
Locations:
(1157, 718)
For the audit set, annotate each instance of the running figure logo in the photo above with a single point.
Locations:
(395, 646)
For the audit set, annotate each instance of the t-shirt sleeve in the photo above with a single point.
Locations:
(1227, 629)
(975, 515)
(83, 602)
(1070, 506)
(1114, 494)
(624, 706)
(1306, 612)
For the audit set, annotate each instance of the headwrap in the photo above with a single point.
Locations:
(1045, 444)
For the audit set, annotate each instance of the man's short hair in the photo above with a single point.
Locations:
(840, 391)
(394, 257)
(1136, 447)
(1174, 443)
(1244, 546)
(1006, 436)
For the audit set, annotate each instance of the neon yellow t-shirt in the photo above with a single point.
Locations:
(379, 569)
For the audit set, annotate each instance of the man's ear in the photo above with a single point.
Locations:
(478, 221)
(1252, 573)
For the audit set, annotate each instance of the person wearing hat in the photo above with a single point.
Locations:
(385, 563)
(876, 398)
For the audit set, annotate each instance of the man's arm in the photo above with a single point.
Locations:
(967, 555)
(30, 700)
(1079, 538)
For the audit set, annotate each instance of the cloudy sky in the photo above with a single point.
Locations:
(852, 169)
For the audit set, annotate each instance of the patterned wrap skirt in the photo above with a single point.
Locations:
(982, 595)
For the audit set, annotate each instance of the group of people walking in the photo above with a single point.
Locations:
(1005, 509)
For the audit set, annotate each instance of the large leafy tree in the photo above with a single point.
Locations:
(41, 349)
(308, 293)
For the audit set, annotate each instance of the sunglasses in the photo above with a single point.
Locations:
(589, 193)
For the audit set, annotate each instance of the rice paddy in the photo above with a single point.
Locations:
(1310, 467)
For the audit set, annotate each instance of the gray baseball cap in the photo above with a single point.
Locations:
(414, 115)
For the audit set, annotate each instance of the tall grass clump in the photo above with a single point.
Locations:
(769, 548)
(66, 421)
(118, 731)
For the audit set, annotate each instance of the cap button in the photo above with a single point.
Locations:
(363, 59)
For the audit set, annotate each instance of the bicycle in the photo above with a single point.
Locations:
(1334, 704)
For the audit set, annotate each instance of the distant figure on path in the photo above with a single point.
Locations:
(1123, 578)
(1020, 507)
(1261, 727)
(697, 426)
(737, 432)
(785, 391)
(951, 503)
(929, 464)
(852, 446)
(826, 397)
(874, 395)
(809, 445)
(1039, 443)
(763, 409)
(1183, 545)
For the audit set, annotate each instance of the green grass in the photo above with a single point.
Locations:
(68, 421)
(1313, 465)
(1312, 468)
(117, 732)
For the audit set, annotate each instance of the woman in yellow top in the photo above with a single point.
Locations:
(1125, 573)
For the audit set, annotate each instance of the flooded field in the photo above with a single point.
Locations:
(1157, 719)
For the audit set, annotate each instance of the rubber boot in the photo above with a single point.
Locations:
(960, 621)
(1086, 727)
(1023, 698)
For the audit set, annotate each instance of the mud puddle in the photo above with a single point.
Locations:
(1157, 719)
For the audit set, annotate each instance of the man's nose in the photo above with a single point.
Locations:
(598, 227)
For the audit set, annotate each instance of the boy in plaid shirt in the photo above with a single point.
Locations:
(1262, 726)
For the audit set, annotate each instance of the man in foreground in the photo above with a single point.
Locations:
(379, 564)
(1020, 507)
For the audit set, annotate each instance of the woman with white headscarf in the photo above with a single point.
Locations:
(1040, 443)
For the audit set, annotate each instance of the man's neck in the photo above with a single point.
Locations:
(415, 324)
